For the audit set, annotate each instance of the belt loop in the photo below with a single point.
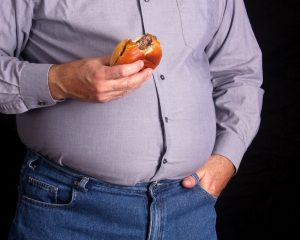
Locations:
(81, 186)
(32, 163)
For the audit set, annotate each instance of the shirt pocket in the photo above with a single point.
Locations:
(197, 21)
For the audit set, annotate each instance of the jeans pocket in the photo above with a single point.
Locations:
(42, 186)
(206, 193)
(39, 192)
(197, 21)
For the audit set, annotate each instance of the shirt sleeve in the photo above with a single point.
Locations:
(23, 85)
(236, 70)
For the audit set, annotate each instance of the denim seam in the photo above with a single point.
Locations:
(161, 218)
(27, 200)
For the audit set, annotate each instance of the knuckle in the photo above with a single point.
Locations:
(101, 98)
(112, 73)
(123, 72)
(106, 72)
(99, 88)
(133, 85)
(98, 75)
(117, 74)
(124, 84)
(88, 64)
(130, 84)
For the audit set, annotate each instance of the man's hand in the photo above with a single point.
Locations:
(94, 80)
(214, 175)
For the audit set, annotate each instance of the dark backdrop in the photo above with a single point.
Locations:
(260, 201)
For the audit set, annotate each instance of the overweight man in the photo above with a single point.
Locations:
(127, 152)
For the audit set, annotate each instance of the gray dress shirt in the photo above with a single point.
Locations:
(205, 97)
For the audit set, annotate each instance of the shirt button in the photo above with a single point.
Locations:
(162, 77)
(41, 103)
(165, 161)
(166, 119)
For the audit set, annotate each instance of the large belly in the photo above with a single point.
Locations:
(120, 141)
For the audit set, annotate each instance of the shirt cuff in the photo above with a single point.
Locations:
(34, 87)
(230, 146)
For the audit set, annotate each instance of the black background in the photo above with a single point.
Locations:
(260, 202)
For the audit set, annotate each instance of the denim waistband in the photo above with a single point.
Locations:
(68, 175)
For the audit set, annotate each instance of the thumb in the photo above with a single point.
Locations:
(192, 180)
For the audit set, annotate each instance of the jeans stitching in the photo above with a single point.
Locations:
(27, 200)
(42, 185)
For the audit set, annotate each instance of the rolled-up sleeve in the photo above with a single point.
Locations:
(23, 85)
(236, 70)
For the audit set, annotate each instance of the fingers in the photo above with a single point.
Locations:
(114, 89)
(132, 82)
(124, 70)
(110, 96)
(192, 180)
(103, 83)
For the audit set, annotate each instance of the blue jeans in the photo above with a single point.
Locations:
(58, 203)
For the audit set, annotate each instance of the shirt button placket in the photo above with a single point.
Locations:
(147, 15)
(164, 160)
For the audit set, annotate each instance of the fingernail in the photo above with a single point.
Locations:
(141, 64)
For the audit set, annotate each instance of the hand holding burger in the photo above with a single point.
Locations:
(146, 48)
(106, 78)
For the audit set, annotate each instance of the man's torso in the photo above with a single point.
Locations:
(165, 129)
